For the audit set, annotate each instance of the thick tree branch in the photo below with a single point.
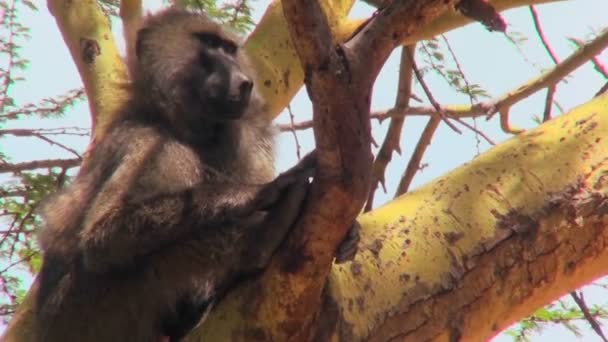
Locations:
(479, 248)
(87, 34)
(308, 23)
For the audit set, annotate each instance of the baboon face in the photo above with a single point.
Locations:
(193, 66)
(223, 85)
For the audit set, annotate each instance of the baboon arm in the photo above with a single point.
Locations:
(125, 230)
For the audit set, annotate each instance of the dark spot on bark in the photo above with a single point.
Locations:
(404, 277)
(267, 83)
(89, 50)
(360, 303)
(453, 237)
(286, 78)
(590, 127)
(375, 247)
(355, 268)
(516, 221)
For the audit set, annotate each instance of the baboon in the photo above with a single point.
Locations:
(175, 203)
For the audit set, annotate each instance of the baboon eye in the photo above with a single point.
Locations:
(230, 48)
(210, 40)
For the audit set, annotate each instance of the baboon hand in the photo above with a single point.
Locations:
(274, 191)
(271, 228)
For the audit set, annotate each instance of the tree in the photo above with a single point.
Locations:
(460, 258)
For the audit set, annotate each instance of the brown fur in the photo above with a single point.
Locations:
(165, 215)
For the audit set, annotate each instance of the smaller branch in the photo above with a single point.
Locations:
(393, 135)
(24, 132)
(541, 34)
(597, 64)
(6, 78)
(13, 193)
(475, 130)
(293, 131)
(414, 164)
(602, 90)
(548, 103)
(47, 106)
(453, 111)
(36, 133)
(549, 78)
(552, 54)
(15, 263)
(56, 143)
(39, 164)
(441, 113)
(600, 67)
(579, 300)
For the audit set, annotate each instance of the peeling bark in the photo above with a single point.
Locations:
(530, 216)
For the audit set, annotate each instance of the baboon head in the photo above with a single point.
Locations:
(192, 68)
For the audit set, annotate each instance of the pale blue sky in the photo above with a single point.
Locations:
(488, 59)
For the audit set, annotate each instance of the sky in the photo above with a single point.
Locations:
(488, 59)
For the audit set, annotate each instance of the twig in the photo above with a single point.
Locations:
(46, 106)
(472, 97)
(552, 54)
(23, 132)
(6, 77)
(39, 164)
(475, 130)
(293, 131)
(440, 112)
(414, 164)
(548, 103)
(541, 34)
(580, 301)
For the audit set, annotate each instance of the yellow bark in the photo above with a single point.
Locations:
(464, 253)
(432, 257)
(86, 32)
(475, 250)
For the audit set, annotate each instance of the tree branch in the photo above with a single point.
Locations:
(393, 135)
(39, 164)
(86, 32)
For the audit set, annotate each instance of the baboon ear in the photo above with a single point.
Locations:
(141, 36)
